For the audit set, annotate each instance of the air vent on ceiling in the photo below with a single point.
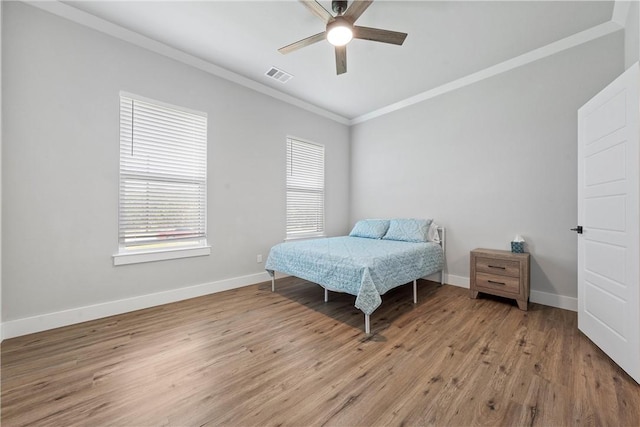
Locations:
(279, 75)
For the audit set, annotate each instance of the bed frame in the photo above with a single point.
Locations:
(367, 323)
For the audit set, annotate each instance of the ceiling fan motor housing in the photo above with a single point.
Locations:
(339, 6)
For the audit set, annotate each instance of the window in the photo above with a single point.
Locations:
(305, 189)
(163, 181)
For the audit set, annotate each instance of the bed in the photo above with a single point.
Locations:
(377, 256)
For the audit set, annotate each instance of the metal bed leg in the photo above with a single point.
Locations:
(443, 243)
(273, 282)
(367, 326)
(415, 292)
(326, 295)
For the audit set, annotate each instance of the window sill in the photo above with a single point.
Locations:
(161, 255)
(305, 237)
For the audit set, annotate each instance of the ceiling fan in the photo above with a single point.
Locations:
(341, 29)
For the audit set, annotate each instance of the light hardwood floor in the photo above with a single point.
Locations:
(252, 357)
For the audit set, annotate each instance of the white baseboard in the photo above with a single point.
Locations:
(544, 298)
(553, 300)
(460, 281)
(29, 325)
(450, 279)
(43, 322)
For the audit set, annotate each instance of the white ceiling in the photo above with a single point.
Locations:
(447, 40)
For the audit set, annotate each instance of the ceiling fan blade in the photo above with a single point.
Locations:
(341, 59)
(302, 43)
(356, 9)
(378, 35)
(317, 9)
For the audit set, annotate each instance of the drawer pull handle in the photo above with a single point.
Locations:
(497, 266)
(496, 283)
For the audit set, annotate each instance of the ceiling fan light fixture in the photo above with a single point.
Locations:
(339, 32)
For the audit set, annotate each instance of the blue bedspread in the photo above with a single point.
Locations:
(366, 268)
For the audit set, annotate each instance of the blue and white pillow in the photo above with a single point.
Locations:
(370, 228)
(408, 230)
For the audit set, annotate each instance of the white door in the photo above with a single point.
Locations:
(608, 211)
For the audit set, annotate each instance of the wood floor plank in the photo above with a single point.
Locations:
(251, 357)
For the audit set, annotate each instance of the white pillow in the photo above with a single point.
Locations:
(432, 234)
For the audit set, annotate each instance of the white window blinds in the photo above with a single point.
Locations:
(305, 188)
(163, 175)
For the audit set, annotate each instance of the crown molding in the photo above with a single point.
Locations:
(508, 65)
(83, 18)
(618, 19)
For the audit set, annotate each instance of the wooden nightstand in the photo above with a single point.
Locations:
(501, 273)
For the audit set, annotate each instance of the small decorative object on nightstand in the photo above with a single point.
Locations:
(517, 244)
(501, 273)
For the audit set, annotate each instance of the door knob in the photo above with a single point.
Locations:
(578, 229)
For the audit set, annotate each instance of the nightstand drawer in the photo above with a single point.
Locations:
(498, 283)
(500, 267)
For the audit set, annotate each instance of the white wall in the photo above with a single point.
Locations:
(632, 35)
(490, 160)
(60, 168)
